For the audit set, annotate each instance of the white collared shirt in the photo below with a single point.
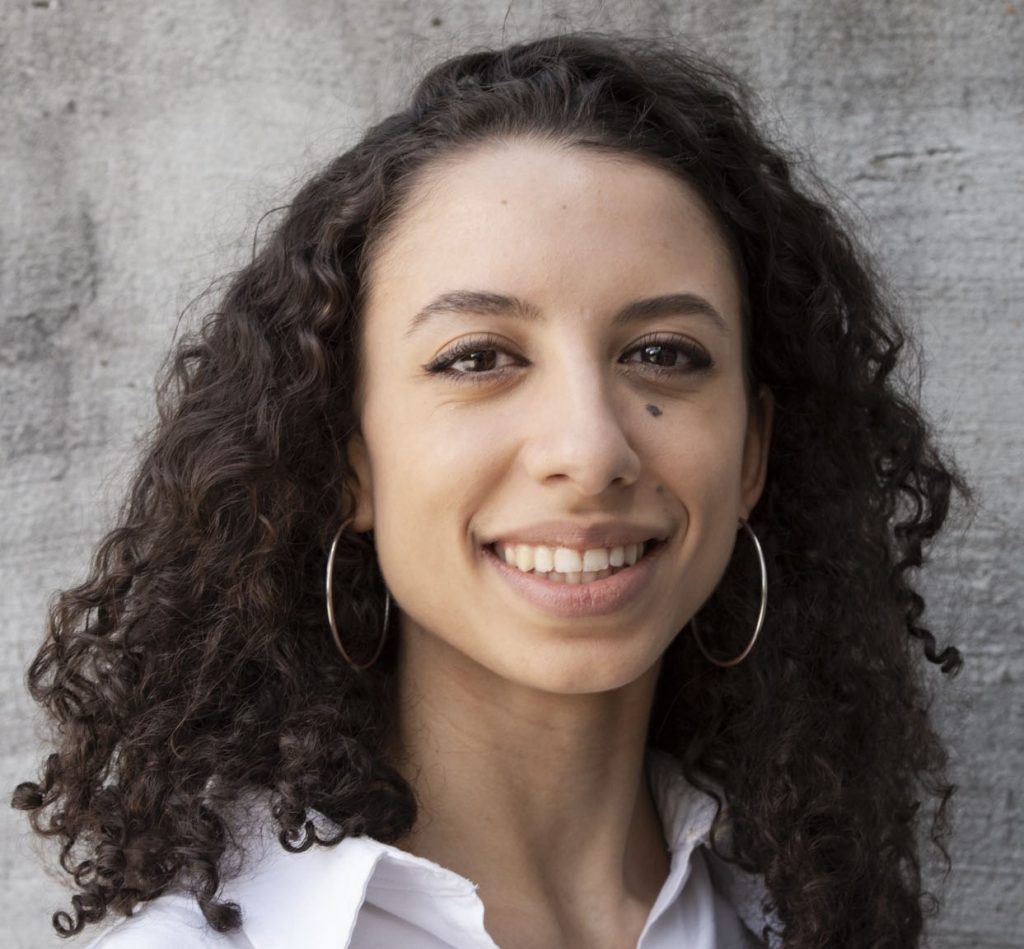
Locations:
(364, 894)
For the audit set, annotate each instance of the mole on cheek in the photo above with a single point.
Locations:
(654, 410)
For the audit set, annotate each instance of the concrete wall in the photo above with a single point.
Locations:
(142, 140)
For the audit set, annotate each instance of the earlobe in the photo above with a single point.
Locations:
(755, 448)
(360, 487)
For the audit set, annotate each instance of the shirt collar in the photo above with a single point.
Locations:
(313, 898)
(687, 814)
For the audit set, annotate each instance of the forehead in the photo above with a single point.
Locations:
(539, 215)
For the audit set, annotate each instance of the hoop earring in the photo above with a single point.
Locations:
(760, 615)
(330, 608)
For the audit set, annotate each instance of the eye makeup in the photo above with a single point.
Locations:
(687, 357)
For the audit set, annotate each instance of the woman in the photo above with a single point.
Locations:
(522, 554)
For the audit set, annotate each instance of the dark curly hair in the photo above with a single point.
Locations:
(194, 662)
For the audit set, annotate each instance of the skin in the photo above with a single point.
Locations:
(522, 734)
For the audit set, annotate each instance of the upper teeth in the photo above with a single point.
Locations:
(543, 559)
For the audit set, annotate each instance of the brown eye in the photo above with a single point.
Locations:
(480, 360)
(475, 361)
(670, 356)
(660, 355)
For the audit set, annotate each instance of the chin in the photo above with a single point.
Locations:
(581, 674)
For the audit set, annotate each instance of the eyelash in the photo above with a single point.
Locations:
(698, 357)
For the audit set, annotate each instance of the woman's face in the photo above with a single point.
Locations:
(576, 419)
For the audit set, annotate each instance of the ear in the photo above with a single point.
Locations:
(361, 486)
(755, 448)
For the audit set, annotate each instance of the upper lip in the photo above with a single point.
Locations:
(580, 536)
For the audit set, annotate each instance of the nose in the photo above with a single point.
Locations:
(577, 434)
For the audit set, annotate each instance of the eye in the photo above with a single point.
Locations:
(469, 358)
(670, 356)
(478, 360)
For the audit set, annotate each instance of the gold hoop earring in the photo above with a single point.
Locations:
(330, 608)
(760, 615)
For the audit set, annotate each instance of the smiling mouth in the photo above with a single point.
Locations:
(583, 576)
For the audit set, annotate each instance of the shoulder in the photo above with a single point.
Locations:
(307, 898)
(172, 921)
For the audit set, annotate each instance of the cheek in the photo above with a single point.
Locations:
(436, 471)
(696, 454)
(433, 466)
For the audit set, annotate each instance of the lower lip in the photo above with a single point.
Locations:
(596, 598)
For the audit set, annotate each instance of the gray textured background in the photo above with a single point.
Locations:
(142, 140)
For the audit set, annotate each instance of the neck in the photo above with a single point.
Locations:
(539, 798)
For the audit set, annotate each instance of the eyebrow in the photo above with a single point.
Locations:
(479, 302)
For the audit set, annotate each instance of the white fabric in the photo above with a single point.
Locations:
(364, 894)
